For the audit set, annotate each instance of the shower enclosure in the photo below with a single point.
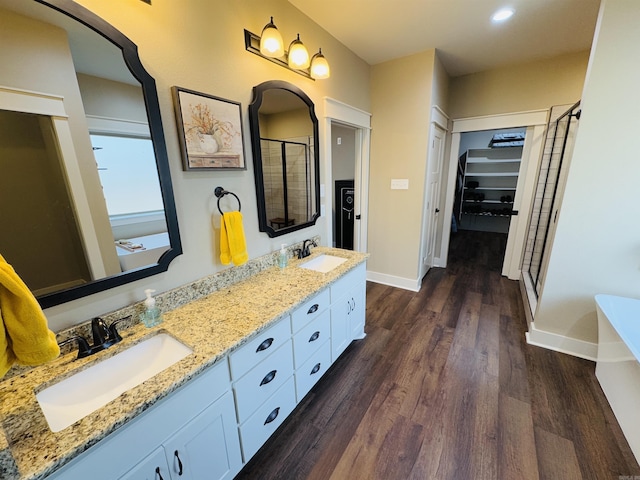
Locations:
(287, 180)
(558, 148)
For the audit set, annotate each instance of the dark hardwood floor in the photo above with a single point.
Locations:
(444, 386)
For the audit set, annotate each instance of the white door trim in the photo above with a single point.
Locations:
(439, 120)
(52, 106)
(335, 111)
(533, 118)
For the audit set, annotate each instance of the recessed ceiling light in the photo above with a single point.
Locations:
(502, 14)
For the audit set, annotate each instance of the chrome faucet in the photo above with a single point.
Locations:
(103, 337)
(305, 251)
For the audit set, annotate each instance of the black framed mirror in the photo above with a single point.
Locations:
(101, 229)
(285, 141)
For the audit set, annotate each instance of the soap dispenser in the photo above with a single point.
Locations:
(282, 258)
(151, 316)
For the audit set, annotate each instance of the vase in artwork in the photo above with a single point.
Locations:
(208, 143)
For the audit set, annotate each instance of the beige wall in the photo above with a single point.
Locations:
(200, 46)
(596, 247)
(109, 99)
(401, 94)
(519, 88)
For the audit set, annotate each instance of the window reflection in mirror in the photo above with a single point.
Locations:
(133, 197)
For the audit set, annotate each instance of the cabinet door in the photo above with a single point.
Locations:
(207, 447)
(347, 319)
(154, 467)
(340, 326)
(358, 311)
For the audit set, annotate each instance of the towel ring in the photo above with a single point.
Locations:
(221, 192)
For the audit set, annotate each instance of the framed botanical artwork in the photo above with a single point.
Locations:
(210, 131)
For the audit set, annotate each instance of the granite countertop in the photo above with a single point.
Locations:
(212, 326)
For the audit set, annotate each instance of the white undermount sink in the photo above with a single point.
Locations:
(75, 397)
(323, 263)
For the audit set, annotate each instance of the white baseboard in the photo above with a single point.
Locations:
(393, 281)
(561, 343)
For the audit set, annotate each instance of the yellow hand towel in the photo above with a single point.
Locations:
(24, 335)
(233, 246)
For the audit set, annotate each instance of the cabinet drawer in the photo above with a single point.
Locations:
(309, 310)
(259, 427)
(256, 350)
(307, 340)
(263, 380)
(312, 370)
(344, 284)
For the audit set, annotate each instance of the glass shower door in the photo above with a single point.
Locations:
(558, 147)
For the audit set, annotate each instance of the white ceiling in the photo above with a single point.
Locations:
(461, 30)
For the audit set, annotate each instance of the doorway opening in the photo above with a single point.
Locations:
(343, 168)
(486, 181)
(346, 140)
(534, 124)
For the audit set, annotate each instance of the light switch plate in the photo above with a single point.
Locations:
(399, 184)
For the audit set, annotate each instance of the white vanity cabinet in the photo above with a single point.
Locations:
(262, 379)
(213, 425)
(198, 421)
(198, 450)
(311, 328)
(348, 308)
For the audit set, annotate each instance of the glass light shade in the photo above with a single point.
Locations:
(271, 44)
(319, 66)
(298, 55)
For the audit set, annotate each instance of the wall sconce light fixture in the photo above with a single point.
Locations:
(298, 56)
(319, 66)
(269, 45)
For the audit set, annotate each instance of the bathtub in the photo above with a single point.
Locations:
(153, 247)
(618, 363)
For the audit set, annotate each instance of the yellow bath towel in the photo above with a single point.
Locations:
(24, 335)
(233, 247)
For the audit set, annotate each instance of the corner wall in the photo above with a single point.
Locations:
(597, 241)
(401, 95)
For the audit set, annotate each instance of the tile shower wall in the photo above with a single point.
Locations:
(298, 155)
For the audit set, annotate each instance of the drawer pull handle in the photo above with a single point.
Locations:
(313, 309)
(314, 337)
(158, 474)
(179, 462)
(264, 345)
(268, 378)
(315, 369)
(272, 416)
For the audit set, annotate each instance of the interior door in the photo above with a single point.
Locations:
(432, 195)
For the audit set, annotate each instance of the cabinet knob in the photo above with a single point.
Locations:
(313, 309)
(264, 345)
(315, 369)
(314, 337)
(272, 416)
(268, 378)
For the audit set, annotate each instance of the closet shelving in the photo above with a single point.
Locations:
(487, 179)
